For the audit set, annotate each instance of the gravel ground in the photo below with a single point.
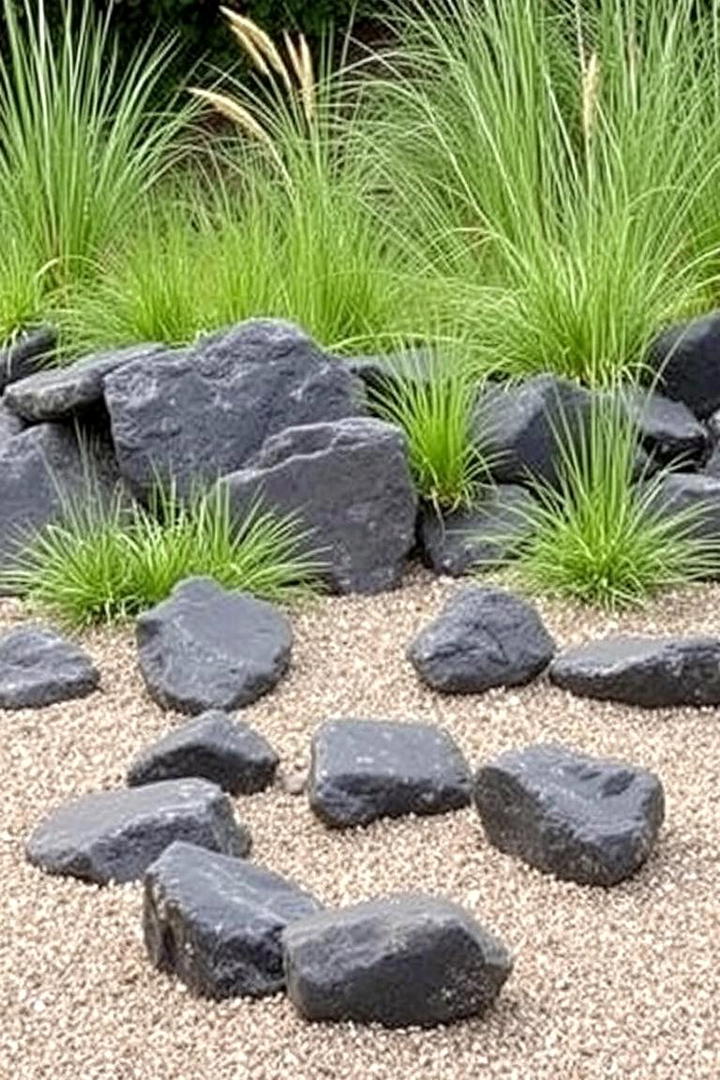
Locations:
(606, 983)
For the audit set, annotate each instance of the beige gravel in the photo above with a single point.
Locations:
(606, 984)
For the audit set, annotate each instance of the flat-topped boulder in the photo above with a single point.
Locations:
(216, 921)
(484, 536)
(115, 835)
(654, 672)
(367, 769)
(206, 647)
(401, 961)
(581, 818)
(684, 361)
(38, 667)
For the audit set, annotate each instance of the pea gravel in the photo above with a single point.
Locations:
(619, 983)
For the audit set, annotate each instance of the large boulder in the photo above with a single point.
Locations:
(206, 411)
(115, 835)
(668, 430)
(479, 538)
(350, 484)
(684, 360)
(483, 637)
(38, 667)
(366, 769)
(578, 817)
(655, 672)
(406, 960)
(694, 496)
(30, 352)
(216, 921)
(208, 648)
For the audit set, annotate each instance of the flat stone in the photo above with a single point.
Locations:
(212, 746)
(367, 769)
(402, 961)
(580, 818)
(208, 648)
(684, 360)
(38, 667)
(30, 352)
(485, 536)
(115, 835)
(483, 637)
(655, 672)
(216, 921)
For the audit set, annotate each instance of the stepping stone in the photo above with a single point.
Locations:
(578, 817)
(214, 747)
(482, 537)
(38, 667)
(686, 357)
(115, 835)
(31, 352)
(217, 922)
(483, 637)
(406, 960)
(208, 648)
(655, 672)
(366, 769)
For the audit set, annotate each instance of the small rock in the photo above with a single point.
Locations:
(483, 537)
(685, 360)
(30, 352)
(295, 782)
(38, 667)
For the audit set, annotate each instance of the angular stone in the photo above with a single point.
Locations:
(204, 413)
(347, 481)
(31, 352)
(10, 424)
(484, 537)
(367, 769)
(483, 637)
(212, 746)
(402, 961)
(580, 818)
(208, 648)
(216, 921)
(668, 430)
(38, 667)
(693, 493)
(655, 672)
(115, 835)
(685, 360)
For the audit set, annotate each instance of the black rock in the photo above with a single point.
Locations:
(483, 637)
(30, 352)
(668, 430)
(694, 493)
(115, 835)
(655, 672)
(208, 648)
(387, 371)
(366, 769)
(685, 359)
(347, 481)
(213, 746)
(38, 667)
(483, 537)
(216, 921)
(580, 818)
(402, 961)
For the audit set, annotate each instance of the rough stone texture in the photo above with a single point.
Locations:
(656, 672)
(484, 536)
(367, 769)
(669, 431)
(348, 482)
(115, 835)
(213, 746)
(208, 648)
(580, 818)
(58, 393)
(402, 961)
(687, 359)
(38, 667)
(10, 424)
(205, 412)
(694, 492)
(216, 921)
(711, 467)
(30, 352)
(483, 637)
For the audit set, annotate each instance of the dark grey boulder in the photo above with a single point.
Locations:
(30, 352)
(711, 467)
(367, 769)
(115, 835)
(483, 637)
(668, 430)
(208, 648)
(387, 371)
(216, 921)
(685, 361)
(347, 481)
(213, 746)
(483, 537)
(205, 412)
(655, 672)
(38, 667)
(408, 960)
(695, 496)
(580, 818)
(10, 424)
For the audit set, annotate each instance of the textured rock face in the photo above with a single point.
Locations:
(348, 482)
(31, 352)
(484, 536)
(115, 835)
(580, 818)
(407, 960)
(38, 667)
(214, 747)
(483, 637)
(654, 672)
(366, 769)
(205, 412)
(694, 492)
(687, 358)
(217, 921)
(10, 424)
(207, 648)
(669, 431)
